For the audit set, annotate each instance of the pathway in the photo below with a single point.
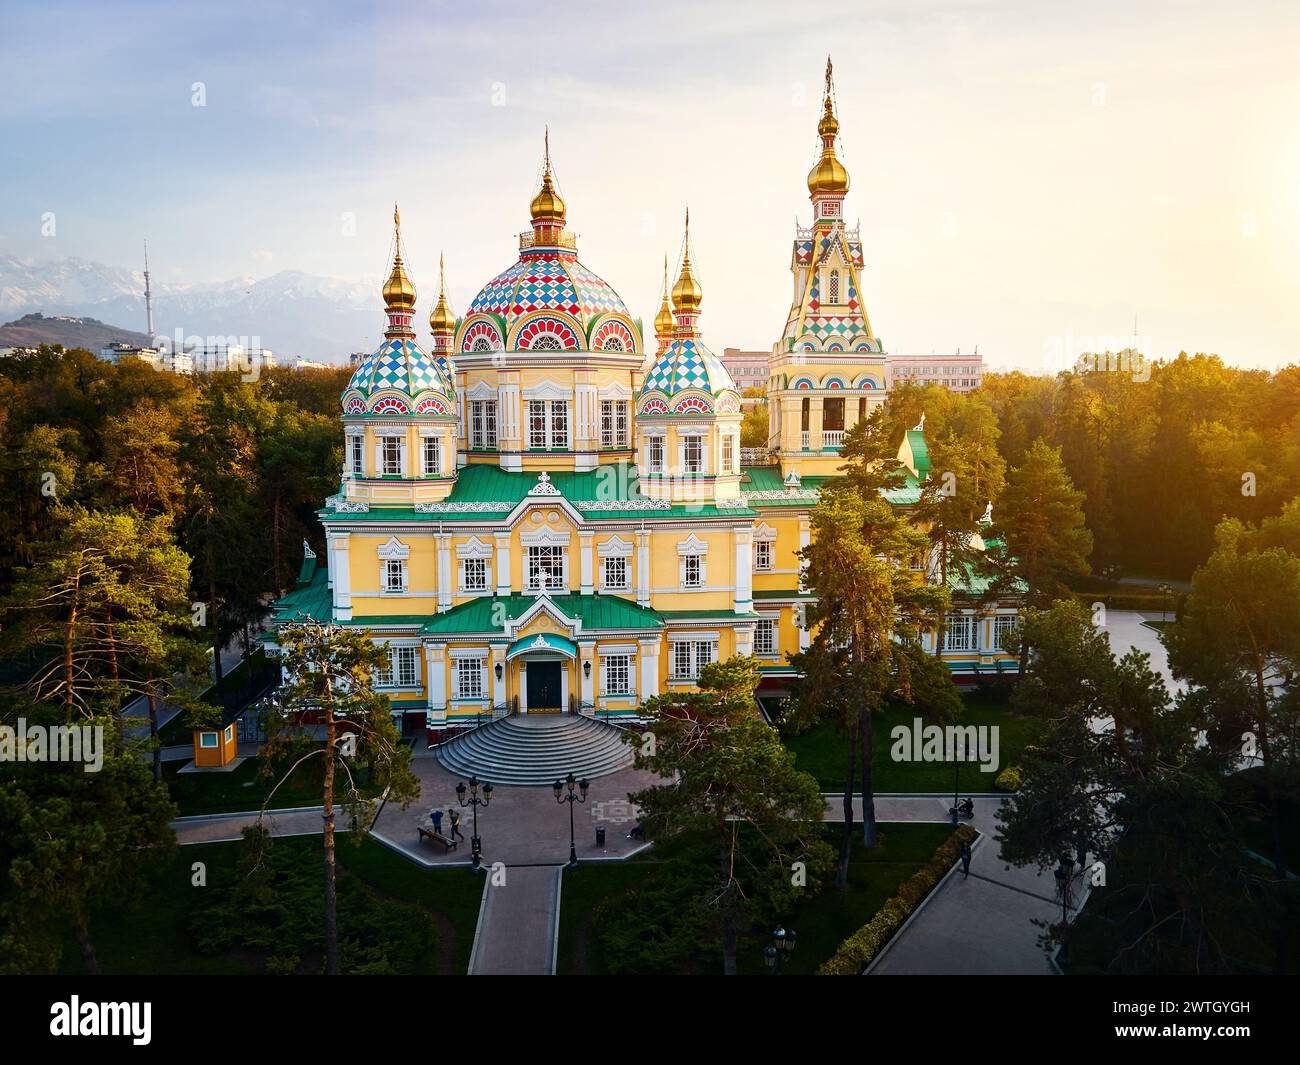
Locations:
(517, 922)
(981, 925)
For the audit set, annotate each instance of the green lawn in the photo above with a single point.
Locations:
(822, 922)
(243, 788)
(824, 753)
(394, 915)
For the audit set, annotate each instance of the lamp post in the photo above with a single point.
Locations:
(958, 754)
(570, 797)
(1165, 592)
(475, 801)
(783, 941)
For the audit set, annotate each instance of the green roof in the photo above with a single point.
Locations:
(920, 451)
(487, 613)
(312, 598)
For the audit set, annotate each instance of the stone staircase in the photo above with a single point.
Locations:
(537, 749)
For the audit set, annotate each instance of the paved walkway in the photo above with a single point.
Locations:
(517, 922)
(979, 925)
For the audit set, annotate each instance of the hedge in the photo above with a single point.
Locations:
(1152, 604)
(857, 952)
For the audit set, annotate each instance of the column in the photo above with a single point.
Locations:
(805, 538)
(801, 619)
(444, 571)
(498, 684)
(435, 669)
(503, 562)
(744, 639)
(587, 653)
(588, 568)
(744, 570)
(340, 571)
(643, 568)
(649, 668)
(815, 424)
(522, 680)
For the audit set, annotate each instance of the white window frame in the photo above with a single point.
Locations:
(469, 679)
(656, 454)
(394, 576)
(960, 632)
(405, 666)
(392, 451)
(616, 675)
(618, 563)
(483, 424)
(767, 643)
(693, 465)
(431, 448)
(613, 423)
(728, 453)
(1002, 624)
(356, 455)
(474, 576)
(691, 656)
(763, 556)
(382, 677)
(692, 571)
(534, 579)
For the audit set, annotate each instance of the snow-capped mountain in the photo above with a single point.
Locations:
(290, 312)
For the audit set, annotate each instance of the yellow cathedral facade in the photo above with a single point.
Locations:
(545, 512)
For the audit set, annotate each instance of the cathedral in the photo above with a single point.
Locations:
(545, 512)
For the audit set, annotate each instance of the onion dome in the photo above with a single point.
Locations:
(664, 323)
(828, 175)
(548, 300)
(442, 319)
(399, 377)
(398, 290)
(686, 378)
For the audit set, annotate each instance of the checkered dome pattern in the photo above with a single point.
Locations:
(547, 283)
(400, 364)
(687, 364)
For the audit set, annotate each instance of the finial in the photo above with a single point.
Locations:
(442, 287)
(546, 141)
(828, 75)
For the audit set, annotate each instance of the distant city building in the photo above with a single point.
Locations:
(182, 362)
(307, 364)
(957, 373)
(220, 358)
(358, 357)
(747, 368)
(120, 352)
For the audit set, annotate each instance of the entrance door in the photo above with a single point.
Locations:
(544, 687)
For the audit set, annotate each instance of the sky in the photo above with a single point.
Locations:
(1033, 177)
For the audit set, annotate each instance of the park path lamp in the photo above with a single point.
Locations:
(1165, 592)
(474, 800)
(570, 797)
(783, 941)
(958, 754)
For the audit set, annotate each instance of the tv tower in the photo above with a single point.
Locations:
(148, 292)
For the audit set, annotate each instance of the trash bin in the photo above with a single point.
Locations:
(600, 836)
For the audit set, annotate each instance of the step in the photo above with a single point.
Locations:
(537, 750)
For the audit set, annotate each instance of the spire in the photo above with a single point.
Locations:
(687, 294)
(398, 290)
(548, 205)
(828, 176)
(664, 323)
(442, 319)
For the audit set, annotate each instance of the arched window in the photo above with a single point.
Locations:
(613, 344)
(833, 287)
(546, 342)
(482, 344)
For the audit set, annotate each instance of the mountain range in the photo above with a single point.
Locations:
(290, 312)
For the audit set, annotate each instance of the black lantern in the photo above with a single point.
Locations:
(500, 670)
(586, 668)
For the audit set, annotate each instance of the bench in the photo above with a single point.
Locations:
(437, 837)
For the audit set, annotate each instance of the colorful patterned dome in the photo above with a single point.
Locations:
(548, 300)
(400, 378)
(686, 366)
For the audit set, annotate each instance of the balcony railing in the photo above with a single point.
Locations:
(832, 438)
(803, 439)
(755, 456)
(564, 240)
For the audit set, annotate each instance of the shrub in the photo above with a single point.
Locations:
(1010, 779)
(857, 952)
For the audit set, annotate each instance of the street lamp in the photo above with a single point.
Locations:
(958, 754)
(475, 801)
(571, 798)
(783, 941)
(1165, 592)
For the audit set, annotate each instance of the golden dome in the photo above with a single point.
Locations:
(547, 205)
(687, 294)
(664, 319)
(828, 175)
(442, 319)
(398, 290)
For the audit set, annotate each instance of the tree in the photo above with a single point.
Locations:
(1238, 641)
(331, 677)
(727, 768)
(71, 841)
(1039, 538)
(870, 605)
(754, 425)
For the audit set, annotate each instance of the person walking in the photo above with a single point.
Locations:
(436, 817)
(455, 825)
(965, 860)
